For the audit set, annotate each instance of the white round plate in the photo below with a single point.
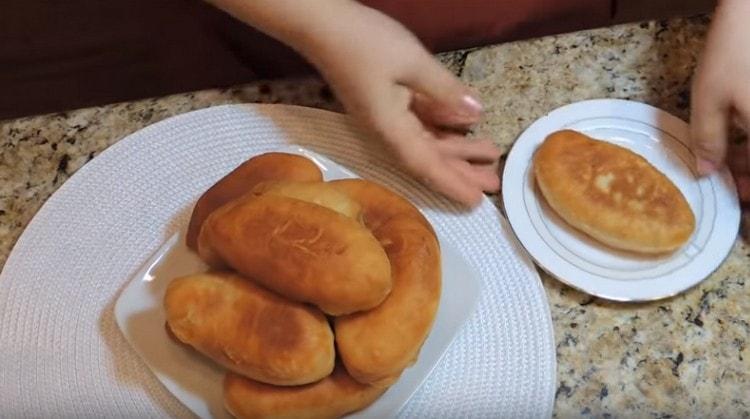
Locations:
(583, 263)
(62, 352)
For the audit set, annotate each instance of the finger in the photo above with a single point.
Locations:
(455, 184)
(708, 130)
(739, 121)
(381, 107)
(441, 95)
(492, 167)
(444, 178)
(416, 150)
(743, 188)
(486, 180)
(438, 115)
(472, 150)
(738, 158)
(742, 122)
(743, 179)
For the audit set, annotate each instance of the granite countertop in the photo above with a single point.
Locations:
(685, 356)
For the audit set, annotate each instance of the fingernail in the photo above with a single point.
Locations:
(471, 104)
(704, 167)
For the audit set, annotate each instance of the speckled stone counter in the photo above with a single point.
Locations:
(683, 357)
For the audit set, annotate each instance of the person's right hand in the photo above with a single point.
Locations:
(721, 95)
(388, 81)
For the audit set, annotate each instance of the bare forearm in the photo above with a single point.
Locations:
(305, 25)
(387, 81)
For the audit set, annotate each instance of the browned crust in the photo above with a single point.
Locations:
(377, 345)
(250, 330)
(332, 397)
(612, 194)
(303, 251)
(269, 166)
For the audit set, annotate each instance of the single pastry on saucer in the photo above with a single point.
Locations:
(612, 194)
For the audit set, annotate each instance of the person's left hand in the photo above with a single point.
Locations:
(721, 95)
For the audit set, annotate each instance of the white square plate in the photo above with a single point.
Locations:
(197, 382)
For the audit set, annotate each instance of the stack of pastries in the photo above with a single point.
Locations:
(319, 295)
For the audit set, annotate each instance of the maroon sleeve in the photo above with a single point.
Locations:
(452, 24)
(62, 55)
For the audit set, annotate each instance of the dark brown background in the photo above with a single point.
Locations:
(59, 55)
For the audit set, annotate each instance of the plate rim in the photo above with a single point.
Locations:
(514, 182)
(121, 313)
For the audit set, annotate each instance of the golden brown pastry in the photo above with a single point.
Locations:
(333, 397)
(320, 193)
(379, 204)
(612, 194)
(303, 251)
(250, 330)
(269, 166)
(376, 345)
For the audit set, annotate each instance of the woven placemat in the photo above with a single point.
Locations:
(63, 355)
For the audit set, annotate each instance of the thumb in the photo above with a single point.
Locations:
(441, 95)
(708, 132)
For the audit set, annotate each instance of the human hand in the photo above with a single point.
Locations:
(387, 80)
(390, 83)
(721, 95)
